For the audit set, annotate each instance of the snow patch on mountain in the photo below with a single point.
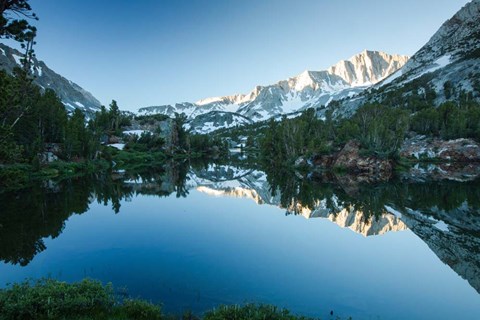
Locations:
(206, 123)
(18, 59)
(436, 65)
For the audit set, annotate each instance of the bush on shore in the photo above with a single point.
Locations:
(89, 299)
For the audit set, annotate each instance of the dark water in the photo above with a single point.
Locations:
(194, 238)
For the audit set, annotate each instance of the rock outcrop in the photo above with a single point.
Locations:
(456, 160)
(351, 159)
(366, 168)
(458, 150)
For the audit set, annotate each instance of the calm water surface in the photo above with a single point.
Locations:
(194, 239)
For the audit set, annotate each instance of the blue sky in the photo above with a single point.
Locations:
(151, 52)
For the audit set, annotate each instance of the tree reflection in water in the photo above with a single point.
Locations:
(445, 215)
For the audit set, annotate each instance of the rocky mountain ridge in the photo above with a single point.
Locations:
(310, 89)
(72, 95)
(448, 65)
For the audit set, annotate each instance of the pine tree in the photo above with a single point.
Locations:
(114, 115)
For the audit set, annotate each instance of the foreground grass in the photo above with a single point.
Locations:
(89, 299)
(251, 312)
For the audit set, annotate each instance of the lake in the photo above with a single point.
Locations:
(195, 237)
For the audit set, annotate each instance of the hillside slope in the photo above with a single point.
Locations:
(72, 95)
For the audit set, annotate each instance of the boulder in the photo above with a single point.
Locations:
(300, 162)
(114, 139)
(323, 161)
(349, 158)
(51, 152)
(364, 168)
(47, 157)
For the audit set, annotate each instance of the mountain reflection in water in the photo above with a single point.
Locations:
(445, 215)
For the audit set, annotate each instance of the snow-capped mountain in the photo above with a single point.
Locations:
(310, 89)
(451, 56)
(72, 95)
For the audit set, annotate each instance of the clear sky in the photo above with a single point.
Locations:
(152, 52)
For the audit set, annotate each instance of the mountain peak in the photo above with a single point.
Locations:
(367, 52)
(302, 81)
(368, 67)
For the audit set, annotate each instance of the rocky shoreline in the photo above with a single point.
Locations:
(429, 159)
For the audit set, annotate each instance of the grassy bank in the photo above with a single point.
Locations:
(19, 176)
(89, 299)
(22, 175)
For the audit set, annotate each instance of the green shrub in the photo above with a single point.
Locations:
(250, 312)
(87, 299)
(14, 176)
(138, 310)
(52, 299)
